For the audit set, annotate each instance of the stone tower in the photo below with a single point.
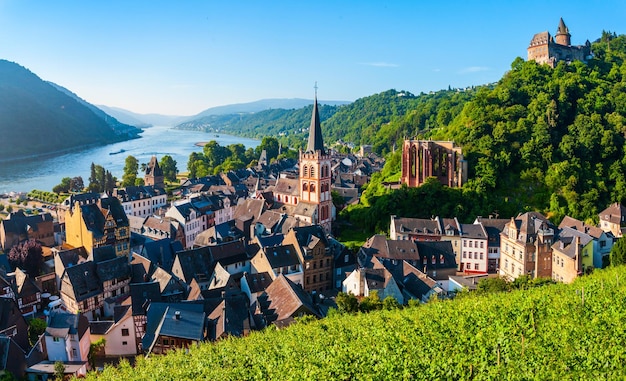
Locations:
(315, 178)
(562, 37)
(154, 174)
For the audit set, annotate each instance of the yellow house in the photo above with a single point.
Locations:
(572, 255)
(99, 224)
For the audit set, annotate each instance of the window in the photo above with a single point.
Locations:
(481, 244)
(464, 254)
(125, 332)
(124, 342)
(314, 278)
(481, 255)
(475, 266)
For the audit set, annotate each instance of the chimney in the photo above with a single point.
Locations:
(177, 315)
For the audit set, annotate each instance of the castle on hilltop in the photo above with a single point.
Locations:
(546, 49)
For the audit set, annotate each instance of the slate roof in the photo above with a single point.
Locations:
(309, 236)
(83, 280)
(418, 225)
(103, 253)
(62, 321)
(161, 252)
(566, 242)
(142, 294)
(134, 193)
(281, 256)
(474, 231)
(162, 321)
(25, 284)
(100, 327)
(19, 223)
(230, 317)
(258, 282)
(573, 223)
(195, 263)
(434, 254)
(117, 268)
(229, 252)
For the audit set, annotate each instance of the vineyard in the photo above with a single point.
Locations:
(553, 332)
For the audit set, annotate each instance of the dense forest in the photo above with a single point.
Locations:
(553, 332)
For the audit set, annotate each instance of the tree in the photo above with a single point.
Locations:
(77, 184)
(347, 302)
(618, 252)
(109, 182)
(28, 256)
(390, 303)
(271, 147)
(487, 285)
(36, 327)
(371, 302)
(94, 349)
(63, 187)
(59, 370)
(168, 166)
(131, 168)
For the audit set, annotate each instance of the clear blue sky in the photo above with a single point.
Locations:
(181, 57)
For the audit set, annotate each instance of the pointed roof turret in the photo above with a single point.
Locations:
(562, 29)
(315, 130)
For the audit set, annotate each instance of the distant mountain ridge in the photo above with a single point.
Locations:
(37, 118)
(145, 120)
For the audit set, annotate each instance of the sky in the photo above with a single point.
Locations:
(182, 57)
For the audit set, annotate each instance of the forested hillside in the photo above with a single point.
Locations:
(553, 332)
(289, 126)
(36, 118)
(551, 140)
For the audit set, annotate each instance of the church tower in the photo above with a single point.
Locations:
(563, 37)
(315, 174)
(154, 174)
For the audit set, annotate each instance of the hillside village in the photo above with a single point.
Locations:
(135, 273)
(245, 250)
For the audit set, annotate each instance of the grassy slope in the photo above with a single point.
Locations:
(544, 333)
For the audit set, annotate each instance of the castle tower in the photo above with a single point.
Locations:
(154, 174)
(562, 37)
(315, 175)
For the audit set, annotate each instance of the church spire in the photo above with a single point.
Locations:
(315, 129)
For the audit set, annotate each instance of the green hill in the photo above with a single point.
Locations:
(555, 332)
(36, 118)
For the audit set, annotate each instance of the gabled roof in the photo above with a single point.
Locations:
(615, 214)
(230, 317)
(195, 263)
(566, 243)
(258, 282)
(19, 223)
(287, 186)
(249, 208)
(117, 268)
(287, 299)
(25, 284)
(160, 252)
(474, 231)
(181, 320)
(229, 252)
(573, 223)
(142, 295)
(281, 256)
(418, 225)
(84, 281)
(62, 321)
(309, 236)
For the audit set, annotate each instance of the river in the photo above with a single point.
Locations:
(45, 172)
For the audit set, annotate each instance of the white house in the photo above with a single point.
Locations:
(67, 337)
